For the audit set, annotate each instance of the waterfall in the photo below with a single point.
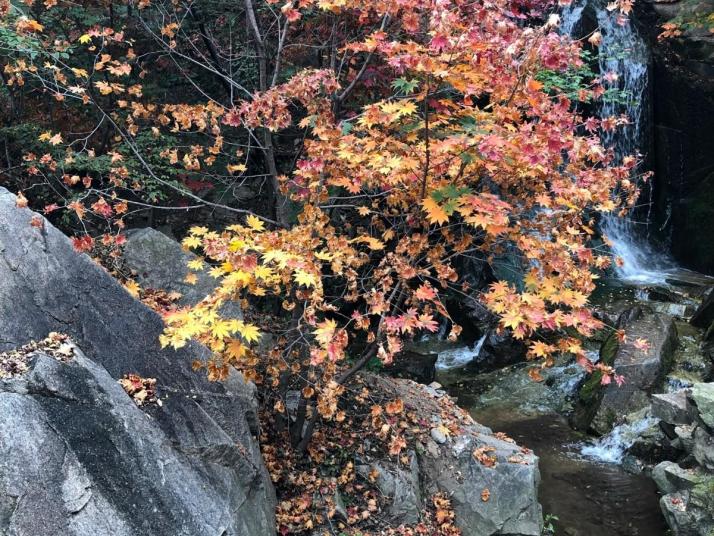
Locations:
(460, 356)
(623, 59)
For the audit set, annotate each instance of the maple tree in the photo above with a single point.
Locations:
(421, 134)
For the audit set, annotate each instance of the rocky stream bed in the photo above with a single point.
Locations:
(629, 460)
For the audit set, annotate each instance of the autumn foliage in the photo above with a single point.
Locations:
(423, 137)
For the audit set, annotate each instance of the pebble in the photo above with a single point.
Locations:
(438, 436)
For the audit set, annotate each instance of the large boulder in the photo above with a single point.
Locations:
(78, 457)
(159, 262)
(46, 286)
(601, 407)
(491, 481)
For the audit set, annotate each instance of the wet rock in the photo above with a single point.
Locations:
(413, 365)
(160, 262)
(703, 398)
(497, 351)
(653, 446)
(672, 408)
(683, 102)
(670, 477)
(600, 407)
(46, 286)
(704, 315)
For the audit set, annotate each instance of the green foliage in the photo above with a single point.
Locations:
(573, 80)
(549, 524)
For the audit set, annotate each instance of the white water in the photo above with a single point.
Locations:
(611, 448)
(459, 357)
(622, 52)
(641, 265)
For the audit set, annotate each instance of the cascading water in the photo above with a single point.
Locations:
(623, 60)
(612, 447)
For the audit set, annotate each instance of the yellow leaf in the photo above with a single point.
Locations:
(434, 213)
(132, 287)
(302, 277)
(324, 256)
(235, 349)
(236, 168)
(255, 223)
(222, 328)
(84, 39)
(249, 332)
(196, 264)
(262, 272)
(103, 87)
(325, 331)
(191, 242)
(80, 72)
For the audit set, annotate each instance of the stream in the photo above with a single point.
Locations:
(581, 495)
(585, 489)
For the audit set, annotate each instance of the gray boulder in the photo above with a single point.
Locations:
(491, 481)
(78, 457)
(46, 286)
(160, 262)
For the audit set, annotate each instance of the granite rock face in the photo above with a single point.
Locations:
(160, 262)
(79, 457)
(46, 286)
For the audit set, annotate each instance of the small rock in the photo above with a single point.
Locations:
(703, 449)
(703, 397)
(671, 408)
(438, 436)
(685, 438)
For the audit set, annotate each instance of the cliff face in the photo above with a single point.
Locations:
(683, 109)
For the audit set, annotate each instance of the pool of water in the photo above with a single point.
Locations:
(588, 498)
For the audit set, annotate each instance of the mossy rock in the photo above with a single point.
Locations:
(591, 392)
